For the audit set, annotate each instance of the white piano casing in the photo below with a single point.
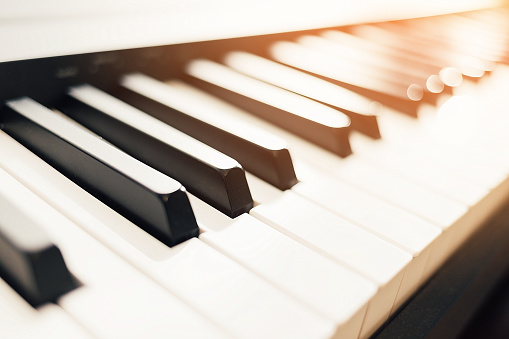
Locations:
(34, 29)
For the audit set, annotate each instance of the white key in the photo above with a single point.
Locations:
(330, 289)
(338, 240)
(404, 193)
(233, 297)
(429, 139)
(398, 227)
(20, 320)
(455, 138)
(106, 310)
(217, 287)
(116, 300)
(424, 173)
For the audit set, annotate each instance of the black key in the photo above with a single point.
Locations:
(372, 64)
(361, 110)
(392, 94)
(311, 120)
(438, 75)
(419, 48)
(180, 106)
(207, 173)
(29, 261)
(152, 200)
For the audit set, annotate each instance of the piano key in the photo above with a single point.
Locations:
(325, 67)
(136, 308)
(470, 67)
(434, 210)
(330, 289)
(18, 319)
(430, 137)
(442, 41)
(397, 227)
(450, 139)
(492, 26)
(178, 105)
(397, 58)
(421, 171)
(361, 110)
(423, 153)
(344, 243)
(318, 123)
(370, 64)
(223, 291)
(154, 201)
(462, 39)
(209, 174)
(114, 300)
(240, 291)
(29, 261)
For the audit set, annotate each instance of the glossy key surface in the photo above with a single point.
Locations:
(181, 106)
(318, 123)
(154, 201)
(29, 261)
(204, 171)
(361, 110)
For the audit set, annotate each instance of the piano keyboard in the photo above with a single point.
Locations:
(299, 185)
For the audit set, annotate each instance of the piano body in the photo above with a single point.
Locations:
(317, 253)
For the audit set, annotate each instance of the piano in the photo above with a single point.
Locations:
(272, 169)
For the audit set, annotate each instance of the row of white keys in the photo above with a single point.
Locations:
(115, 299)
(420, 170)
(341, 241)
(231, 296)
(467, 131)
(421, 146)
(331, 289)
(18, 319)
(478, 157)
